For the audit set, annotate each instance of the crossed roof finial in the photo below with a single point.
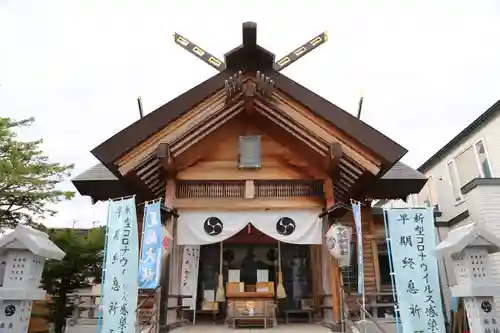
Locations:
(250, 43)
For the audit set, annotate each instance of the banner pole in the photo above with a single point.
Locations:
(100, 312)
(391, 272)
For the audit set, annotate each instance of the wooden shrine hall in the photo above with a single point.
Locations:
(240, 158)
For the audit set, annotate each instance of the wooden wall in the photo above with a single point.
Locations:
(373, 231)
(217, 157)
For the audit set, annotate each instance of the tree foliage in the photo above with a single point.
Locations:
(80, 268)
(27, 178)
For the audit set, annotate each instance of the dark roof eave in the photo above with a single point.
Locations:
(460, 136)
(133, 135)
(139, 131)
(369, 137)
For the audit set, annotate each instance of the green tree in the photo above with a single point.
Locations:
(27, 178)
(80, 268)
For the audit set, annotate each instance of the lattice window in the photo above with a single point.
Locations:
(288, 188)
(210, 189)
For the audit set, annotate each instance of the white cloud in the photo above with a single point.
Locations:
(428, 68)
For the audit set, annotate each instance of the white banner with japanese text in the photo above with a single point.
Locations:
(412, 240)
(189, 278)
(120, 285)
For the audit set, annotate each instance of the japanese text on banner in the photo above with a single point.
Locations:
(120, 284)
(416, 269)
(190, 268)
(151, 247)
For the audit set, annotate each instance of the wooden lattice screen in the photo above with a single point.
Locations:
(210, 189)
(186, 189)
(288, 188)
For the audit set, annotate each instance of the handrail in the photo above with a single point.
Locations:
(148, 319)
(362, 308)
(145, 319)
(146, 298)
(346, 315)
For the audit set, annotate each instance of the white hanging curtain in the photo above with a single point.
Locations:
(209, 227)
(290, 226)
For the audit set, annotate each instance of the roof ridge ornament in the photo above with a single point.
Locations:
(301, 51)
(249, 30)
(197, 51)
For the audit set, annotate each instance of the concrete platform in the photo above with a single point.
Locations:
(290, 328)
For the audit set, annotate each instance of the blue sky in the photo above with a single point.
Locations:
(427, 68)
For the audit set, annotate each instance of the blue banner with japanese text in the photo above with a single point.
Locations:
(412, 240)
(356, 211)
(151, 247)
(120, 286)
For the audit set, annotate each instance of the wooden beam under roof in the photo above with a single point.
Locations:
(166, 159)
(348, 172)
(292, 128)
(280, 135)
(204, 129)
(308, 124)
(173, 130)
(248, 96)
(326, 131)
(179, 139)
(334, 157)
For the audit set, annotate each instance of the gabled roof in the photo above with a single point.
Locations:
(33, 240)
(471, 234)
(480, 121)
(246, 58)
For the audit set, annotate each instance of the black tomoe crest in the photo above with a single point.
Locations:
(9, 310)
(285, 226)
(486, 306)
(213, 226)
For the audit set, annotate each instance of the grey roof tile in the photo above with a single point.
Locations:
(402, 171)
(97, 172)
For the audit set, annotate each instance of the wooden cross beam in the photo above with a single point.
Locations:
(250, 45)
(300, 52)
(199, 52)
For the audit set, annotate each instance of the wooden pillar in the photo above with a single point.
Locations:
(373, 243)
(333, 266)
(335, 272)
(249, 189)
(170, 193)
(328, 191)
(172, 278)
(316, 272)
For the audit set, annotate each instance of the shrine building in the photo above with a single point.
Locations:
(252, 169)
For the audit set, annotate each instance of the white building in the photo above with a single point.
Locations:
(462, 185)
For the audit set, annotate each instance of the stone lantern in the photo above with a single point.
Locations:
(469, 248)
(22, 256)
